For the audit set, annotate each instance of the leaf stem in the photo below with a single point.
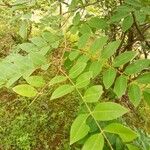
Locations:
(101, 130)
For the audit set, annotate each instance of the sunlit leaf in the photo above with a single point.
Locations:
(38, 41)
(79, 129)
(109, 77)
(93, 94)
(123, 58)
(94, 142)
(137, 66)
(108, 111)
(132, 147)
(127, 23)
(25, 90)
(61, 91)
(144, 78)
(134, 94)
(120, 85)
(36, 81)
(77, 69)
(146, 94)
(57, 79)
(98, 23)
(96, 68)
(110, 49)
(125, 133)
(83, 80)
(83, 40)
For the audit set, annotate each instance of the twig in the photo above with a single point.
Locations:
(141, 34)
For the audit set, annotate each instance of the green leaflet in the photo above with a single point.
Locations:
(110, 49)
(93, 94)
(83, 58)
(109, 77)
(38, 41)
(95, 68)
(144, 78)
(134, 3)
(29, 47)
(44, 50)
(134, 94)
(127, 23)
(49, 37)
(37, 59)
(98, 23)
(74, 29)
(73, 55)
(25, 90)
(108, 111)
(77, 69)
(85, 29)
(125, 8)
(123, 58)
(79, 128)
(61, 91)
(45, 66)
(137, 66)
(118, 16)
(132, 147)
(146, 10)
(125, 133)
(83, 40)
(94, 142)
(23, 31)
(140, 16)
(57, 79)
(76, 19)
(12, 80)
(36, 81)
(120, 86)
(146, 94)
(98, 44)
(83, 80)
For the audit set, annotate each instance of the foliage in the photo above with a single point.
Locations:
(95, 54)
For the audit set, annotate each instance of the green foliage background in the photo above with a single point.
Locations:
(74, 75)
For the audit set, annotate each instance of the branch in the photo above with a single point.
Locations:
(121, 43)
(141, 34)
